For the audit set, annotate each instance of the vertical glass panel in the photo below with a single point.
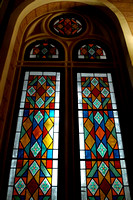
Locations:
(102, 165)
(34, 167)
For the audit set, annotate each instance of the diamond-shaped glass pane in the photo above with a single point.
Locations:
(94, 81)
(117, 186)
(98, 117)
(44, 51)
(91, 51)
(93, 186)
(42, 80)
(86, 92)
(50, 91)
(39, 102)
(97, 103)
(45, 186)
(20, 185)
(38, 117)
(103, 168)
(102, 149)
(105, 92)
(34, 168)
(31, 91)
(35, 149)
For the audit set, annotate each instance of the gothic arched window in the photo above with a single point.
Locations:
(67, 115)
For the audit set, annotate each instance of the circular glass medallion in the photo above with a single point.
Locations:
(68, 25)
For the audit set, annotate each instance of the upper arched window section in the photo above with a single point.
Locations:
(68, 25)
(42, 50)
(91, 50)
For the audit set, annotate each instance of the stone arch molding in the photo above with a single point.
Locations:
(25, 13)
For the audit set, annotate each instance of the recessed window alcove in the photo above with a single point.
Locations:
(68, 107)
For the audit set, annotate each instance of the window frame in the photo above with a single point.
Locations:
(69, 65)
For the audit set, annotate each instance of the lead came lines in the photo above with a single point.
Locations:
(101, 148)
(34, 168)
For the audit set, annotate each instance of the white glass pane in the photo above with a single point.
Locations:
(109, 77)
(19, 124)
(80, 114)
(82, 154)
(83, 194)
(123, 163)
(57, 86)
(54, 177)
(78, 77)
(36, 73)
(58, 76)
(114, 106)
(82, 165)
(127, 193)
(22, 105)
(115, 114)
(113, 97)
(121, 153)
(100, 75)
(11, 177)
(56, 141)
(81, 56)
(57, 113)
(55, 163)
(21, 111)
(25, 85)
(117, 125)
(79, 97)
(87, 74)
(79, 87)
(80, 106)
(81, 141)
(49, 73)
(32, 56)
(26, 76)
(54, 193)
(103, 57)
(15, 153)
(56, 105)
(57, 97)
(55, 56)
(56, 125)
(111, 87)
(16, 141)
(81, 128)
(55, 154)
(9, 193)
(13, 163)
(124, 176)
(120, 144)
(23, 96)
(83, 178)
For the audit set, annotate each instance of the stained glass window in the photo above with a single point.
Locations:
(102, 164)
(91, 50)
(34, 165)
(68, 25)
(44, 50)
